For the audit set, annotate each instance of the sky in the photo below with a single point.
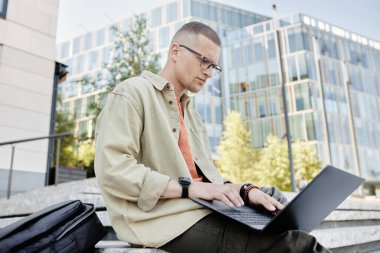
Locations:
(362, 17)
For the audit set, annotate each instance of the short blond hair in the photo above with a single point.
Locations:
(196, 28)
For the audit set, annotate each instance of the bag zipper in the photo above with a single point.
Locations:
(73, 225)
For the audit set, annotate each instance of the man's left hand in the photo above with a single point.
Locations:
(258, 198)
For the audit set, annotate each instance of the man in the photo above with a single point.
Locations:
(152, 155)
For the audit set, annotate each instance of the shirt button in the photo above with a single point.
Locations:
(170, 102)
(174, 130)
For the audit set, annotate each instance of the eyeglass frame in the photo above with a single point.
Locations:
(204, 60)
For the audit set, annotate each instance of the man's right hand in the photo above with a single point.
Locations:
(228, 193)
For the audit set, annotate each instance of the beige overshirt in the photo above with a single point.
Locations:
(137, 154)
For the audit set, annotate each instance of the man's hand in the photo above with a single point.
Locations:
(228, 193)
(258, 198)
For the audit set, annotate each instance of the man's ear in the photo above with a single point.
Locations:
(174, 51)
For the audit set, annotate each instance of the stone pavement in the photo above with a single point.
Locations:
(352, 228)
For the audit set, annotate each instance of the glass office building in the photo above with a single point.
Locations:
(86, 54)
(331, 78)
(332, 88)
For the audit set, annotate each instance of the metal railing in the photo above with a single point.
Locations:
(58, 137)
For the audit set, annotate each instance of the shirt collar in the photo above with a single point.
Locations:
(160, 83)
(157, 81)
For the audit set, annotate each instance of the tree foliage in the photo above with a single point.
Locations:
(237, 156)
(268, 166)
(274, 169)
(130, 54)
(64, 124)
(273, 166)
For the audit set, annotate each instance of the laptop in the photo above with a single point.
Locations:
(306, 211)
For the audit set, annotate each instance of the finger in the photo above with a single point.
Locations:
(236, 200)
(267, 203)
(235, 194)
(277, 205)
(222, 197)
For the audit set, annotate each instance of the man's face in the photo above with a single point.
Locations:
(191, 75)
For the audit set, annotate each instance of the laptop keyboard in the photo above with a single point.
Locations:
(254, 217)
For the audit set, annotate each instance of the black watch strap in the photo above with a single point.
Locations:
(185, 192)
(185, 183)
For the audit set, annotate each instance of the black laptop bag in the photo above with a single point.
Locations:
(70, 226)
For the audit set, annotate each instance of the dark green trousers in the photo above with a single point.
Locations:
(216, 234)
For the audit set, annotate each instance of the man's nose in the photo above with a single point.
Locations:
(207, 72)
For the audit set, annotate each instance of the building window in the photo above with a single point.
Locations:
(271, 47)
(76, 45)
(100, 36)
(258, 49)
(297, 40)
(303, 96)
(226, 17)
(78, 109)
(112, 34)
(186, 8)
(82, 133)
(196, 9)
(87, 41)
(92, 59)
(164, 37)
(292, 69)
(156, 17)
(105, 55)
(78, 65)
(172, 12)
(63, 50)
(3, 8)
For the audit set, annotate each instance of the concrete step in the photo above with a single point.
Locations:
(116, 246)
(353, 227)
(351, 218)
(351, 239)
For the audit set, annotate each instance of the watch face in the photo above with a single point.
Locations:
(184, 181)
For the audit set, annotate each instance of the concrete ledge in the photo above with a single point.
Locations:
(339, 215)
(353, 227)
(341, 237)
(112, 244)
(86, 190)
(119, 246)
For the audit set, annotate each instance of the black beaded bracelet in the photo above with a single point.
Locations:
(244, 191)
(243, 188)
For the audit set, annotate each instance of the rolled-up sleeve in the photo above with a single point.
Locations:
(119, 127)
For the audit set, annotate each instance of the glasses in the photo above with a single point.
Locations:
(206, 62)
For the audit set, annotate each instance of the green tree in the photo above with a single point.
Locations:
(63, 124)
(305, 161)
(237, 155)
(273, 168)
(130, 54)
(86, 154)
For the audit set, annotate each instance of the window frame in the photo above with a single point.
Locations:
(3, 10)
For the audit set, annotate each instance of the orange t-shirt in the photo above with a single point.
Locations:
(184, 146)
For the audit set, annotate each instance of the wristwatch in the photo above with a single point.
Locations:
(185, 183)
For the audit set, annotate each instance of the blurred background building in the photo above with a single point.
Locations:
(332, 83)
(331, 78)
(86, 54)
(27, 64)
